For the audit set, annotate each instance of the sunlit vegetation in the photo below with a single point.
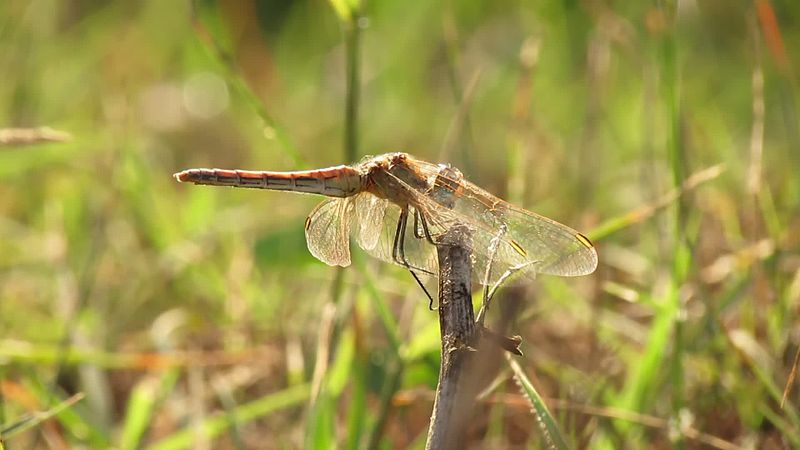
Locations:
(136, 312)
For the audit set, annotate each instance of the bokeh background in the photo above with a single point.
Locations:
(194, 317)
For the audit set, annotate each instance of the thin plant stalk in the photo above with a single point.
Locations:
(454, 392)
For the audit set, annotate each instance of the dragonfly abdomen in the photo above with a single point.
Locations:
(340, 181)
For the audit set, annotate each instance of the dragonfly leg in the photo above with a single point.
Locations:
(401, 244)
(398, 237)
(417, 233)
(399, 254)
(425, 231)
(398, 245)
(425, 290)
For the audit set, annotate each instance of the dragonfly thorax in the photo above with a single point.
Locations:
(392, 176)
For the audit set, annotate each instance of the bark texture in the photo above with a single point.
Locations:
(455, 393)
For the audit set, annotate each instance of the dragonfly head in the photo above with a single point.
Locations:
(397, 159)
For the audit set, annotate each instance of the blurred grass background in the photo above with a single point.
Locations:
(194, 317)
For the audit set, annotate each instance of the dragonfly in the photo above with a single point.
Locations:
(399, 208)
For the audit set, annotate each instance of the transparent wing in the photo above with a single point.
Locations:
(508, 237)
(548, 246)
(371, 212)
(418, 253)
(328, 231)
(329, 226)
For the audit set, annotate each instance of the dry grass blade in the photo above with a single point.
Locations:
(409, 397)
(794, 295)
(35, 418)
(648, 421)
(28, 353)
(792, 376)
(727, 264)
(28, 136)
(323, 350)
(756, 134)
(647, 211)
(460, 119)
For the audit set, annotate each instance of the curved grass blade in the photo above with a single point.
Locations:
(142, 405)
(33, 419)
(210, 31)
(647, 211)
(551, 433)
(216, 425)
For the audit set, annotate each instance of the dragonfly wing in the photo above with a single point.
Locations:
(503, 237)
(518, 241)
(418, 253)
(552, 248)
(371, 212)
(512, 238)
(328, 231)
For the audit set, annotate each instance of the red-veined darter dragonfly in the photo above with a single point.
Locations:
(376, 199)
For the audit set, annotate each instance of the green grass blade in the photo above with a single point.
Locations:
(321, 425)
(379, 302)
(142, 406)
(346, 10)
(216, 425)
(206, 18)
(356, 421)
(646, 212)
(75, 420)
(31, 420)
(547, 423)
